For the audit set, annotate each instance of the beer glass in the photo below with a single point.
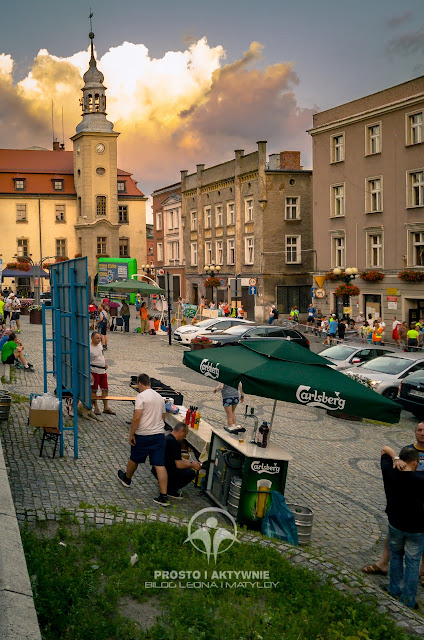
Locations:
(263, 489)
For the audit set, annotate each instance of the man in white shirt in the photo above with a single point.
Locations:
(16, 311)
(98, 368)
(147, 437)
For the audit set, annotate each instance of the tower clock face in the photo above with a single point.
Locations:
(100, 147)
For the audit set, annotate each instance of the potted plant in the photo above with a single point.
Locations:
(372, 276)
(78, 255)
(35, 314)
(408, 275)
(25, 305)
(347, 290)
(113, 308)
(212, 281)
(333, 277)
(201, 342)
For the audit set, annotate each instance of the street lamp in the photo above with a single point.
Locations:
(349, 274)
(213, 270)
(148, 268)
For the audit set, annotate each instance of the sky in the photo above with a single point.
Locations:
(190, 81)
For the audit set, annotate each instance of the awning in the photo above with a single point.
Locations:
(34, 272)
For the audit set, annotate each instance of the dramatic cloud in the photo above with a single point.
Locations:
(173, 112)
(396, 21)
(408, 43)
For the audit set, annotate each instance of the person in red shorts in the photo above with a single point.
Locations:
(98, 372)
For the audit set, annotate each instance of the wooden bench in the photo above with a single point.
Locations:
(114, 398)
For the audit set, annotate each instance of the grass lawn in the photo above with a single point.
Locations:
(86, 588)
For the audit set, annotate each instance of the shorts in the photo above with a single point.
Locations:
(103, 328)
(15, 315)
(152, 446)
(99, 380)
(229, 402)
(10, 360)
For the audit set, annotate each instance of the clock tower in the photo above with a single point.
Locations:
(95, 172)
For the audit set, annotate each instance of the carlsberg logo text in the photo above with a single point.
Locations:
(313, 398)
(209, 370)
(264, 467)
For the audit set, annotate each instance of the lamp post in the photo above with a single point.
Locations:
(213, 270)
(347, 276)
(150, 269)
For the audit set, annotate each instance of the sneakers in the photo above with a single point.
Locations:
(123, 478)
(176, 496)
(162, 500)
(30, 367)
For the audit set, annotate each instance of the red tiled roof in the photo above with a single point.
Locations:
(40, 167)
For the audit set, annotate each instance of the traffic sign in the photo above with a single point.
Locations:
(253, 282)
(253, 291)
(320, 293)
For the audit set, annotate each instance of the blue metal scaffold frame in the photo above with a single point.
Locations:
(70, 339)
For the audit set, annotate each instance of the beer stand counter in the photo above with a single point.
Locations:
(240, 475)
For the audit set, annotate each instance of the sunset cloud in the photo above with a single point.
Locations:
(173, 112)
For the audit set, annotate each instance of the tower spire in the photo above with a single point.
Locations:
(91, 36)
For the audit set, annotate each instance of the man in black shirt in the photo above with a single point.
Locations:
(405, 511)
(180, 471)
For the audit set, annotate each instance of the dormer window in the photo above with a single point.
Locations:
(57, 184)
(19, 184)
(122, 186)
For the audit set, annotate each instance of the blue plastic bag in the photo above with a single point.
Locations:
(278, 522)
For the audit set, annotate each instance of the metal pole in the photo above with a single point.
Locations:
(169, 309)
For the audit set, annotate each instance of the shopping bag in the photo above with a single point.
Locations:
(278, 522)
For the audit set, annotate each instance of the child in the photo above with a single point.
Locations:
(157, 323)
(152, 331)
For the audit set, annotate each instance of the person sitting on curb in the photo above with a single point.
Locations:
(381, 566)
(180, 472)
(13, 350)
(98, 373)
(405, 512)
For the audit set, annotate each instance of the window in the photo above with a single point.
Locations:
(338, 251)
(60, 213)
(414, 132)
(193, 220)
(122, 186)
(337, 147)
(231, 214)
(293, 250)
(19, 184)
(418, 249)
(58, 185)
(174, 252)
(288, 297)
(337, 200)
(231, 252)
(375, 249)
(124, 247)
(101, 245)
(208, 217)
(219, 252)
(292, 208)
(218, 215)
(372, 139)
(22, 249)
(248, 210)
(170, 219)
(158, 220)
(101, 205)
(21, 213)
(415, 196)
(61, 247)
(123, 213)
(249, 250)
(373, 195)
(194, 254)
(208, 253)
(159, 251)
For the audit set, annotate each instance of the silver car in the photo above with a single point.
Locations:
(345, 356)
(386, 372)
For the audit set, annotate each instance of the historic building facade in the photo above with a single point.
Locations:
(368, 158)
(253, 219)
(67, 203)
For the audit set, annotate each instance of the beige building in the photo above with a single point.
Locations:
(63, 203)
(368, 159)
(252, 218)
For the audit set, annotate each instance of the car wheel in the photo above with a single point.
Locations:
(390, 393)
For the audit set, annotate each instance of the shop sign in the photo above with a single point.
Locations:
(392, 305)
(392, 299)
(391, 292)
(347, 310)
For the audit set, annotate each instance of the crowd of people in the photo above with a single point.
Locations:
(11, 347)
(102, 319)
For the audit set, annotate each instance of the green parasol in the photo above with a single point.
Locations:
(283, 370)
(131, 286)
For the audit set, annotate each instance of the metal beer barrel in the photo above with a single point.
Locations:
(303, 517)
(234, 496)
(5, 402)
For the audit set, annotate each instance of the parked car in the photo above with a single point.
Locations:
(386, 372)
(183, 335)
(234, 335)
(411, 394)
(345, 356)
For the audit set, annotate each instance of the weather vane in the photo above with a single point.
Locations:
(91, 24)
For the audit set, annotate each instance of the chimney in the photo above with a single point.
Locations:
(290, 161)
(56, 145)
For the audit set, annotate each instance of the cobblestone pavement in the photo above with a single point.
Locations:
(335, 467)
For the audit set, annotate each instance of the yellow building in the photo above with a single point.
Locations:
(70, 203)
